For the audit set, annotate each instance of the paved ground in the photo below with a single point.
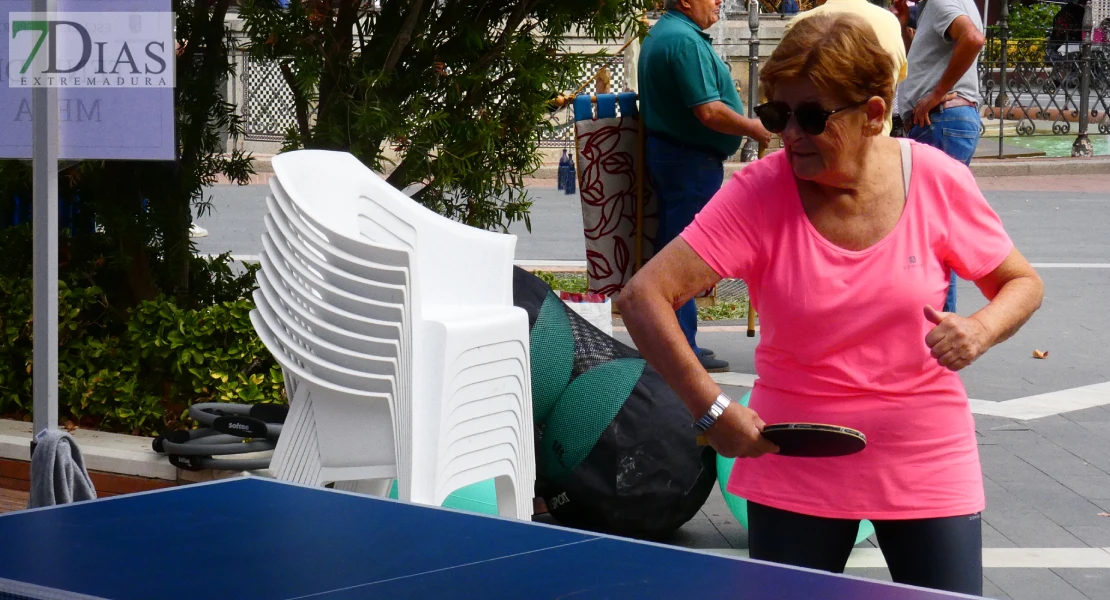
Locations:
(1047, 479)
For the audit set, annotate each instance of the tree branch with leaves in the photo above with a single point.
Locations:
(450, 97)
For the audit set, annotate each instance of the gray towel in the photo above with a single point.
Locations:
(58, 474)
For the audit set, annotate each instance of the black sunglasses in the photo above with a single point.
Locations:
(812, 117)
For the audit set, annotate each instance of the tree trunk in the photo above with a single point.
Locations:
(133, 242)
(210, 36)
(336, 71)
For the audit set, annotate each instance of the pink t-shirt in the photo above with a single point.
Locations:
(842, 340)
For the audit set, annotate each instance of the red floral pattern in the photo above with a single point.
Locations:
(607, 155)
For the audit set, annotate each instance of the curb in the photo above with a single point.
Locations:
(980, 167)
(262, 163)
(115, 453)
(1039, 167)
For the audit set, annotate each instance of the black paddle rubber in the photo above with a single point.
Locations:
(814, 440)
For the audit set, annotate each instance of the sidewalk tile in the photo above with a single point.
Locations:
(990, 590)
(1017, 436)
(1095, 414)
(989, 422)
(992, 538)
(1056, 502)
(699, 532)
(1033, 584)
(1056, 425)
(1022, 524)
(1091, 448)
(1093, 488)
(1001, 464)
(734, 534)
(1093, 583)
(1097, 535)
(718, 513)
(1056, 461)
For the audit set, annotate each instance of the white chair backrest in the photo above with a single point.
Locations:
(448, 255)
(364, 288)
(339, 337)
(293, 271)
(343, 357)
(307, 360)
(333, 220)
(291, 292)
(342, 259)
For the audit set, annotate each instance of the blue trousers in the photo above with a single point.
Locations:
(956, 132)
(684, 179)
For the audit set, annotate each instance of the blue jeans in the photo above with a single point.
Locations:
(684, 179)
(956, 132)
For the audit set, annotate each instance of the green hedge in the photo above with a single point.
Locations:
(136, 370)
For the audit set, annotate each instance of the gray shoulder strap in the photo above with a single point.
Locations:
(907, 164)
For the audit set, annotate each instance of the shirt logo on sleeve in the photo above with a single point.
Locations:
(910, 263)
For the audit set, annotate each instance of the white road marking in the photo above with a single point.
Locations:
(1046, 405)
(1022, 409)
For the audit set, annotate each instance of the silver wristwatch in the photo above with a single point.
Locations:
(714, 413)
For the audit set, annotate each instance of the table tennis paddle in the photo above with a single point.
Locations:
(811, 440)
(814, 440)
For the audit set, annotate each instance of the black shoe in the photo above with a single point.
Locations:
(706, 352)
(713, 365)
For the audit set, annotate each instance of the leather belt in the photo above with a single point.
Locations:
(951, 101)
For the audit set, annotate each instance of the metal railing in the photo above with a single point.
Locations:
(1055, 85)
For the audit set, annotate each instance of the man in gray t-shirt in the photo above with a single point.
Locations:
(942, 74)
(939, 100)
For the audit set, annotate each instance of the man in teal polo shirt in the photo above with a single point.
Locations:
(694, 120)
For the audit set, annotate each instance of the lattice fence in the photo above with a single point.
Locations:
(268, 112)
(1100, 11)
(564, 132)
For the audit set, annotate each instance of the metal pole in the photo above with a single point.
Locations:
(1003, 97)
(1082, 145)
(750, 152)
(44, 103)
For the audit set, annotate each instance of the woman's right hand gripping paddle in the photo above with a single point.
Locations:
(738, 434)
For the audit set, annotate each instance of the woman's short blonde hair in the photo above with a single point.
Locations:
(839, 53)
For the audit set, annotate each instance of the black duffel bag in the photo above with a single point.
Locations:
(616, 450)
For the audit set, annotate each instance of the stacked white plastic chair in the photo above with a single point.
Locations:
(403, 353)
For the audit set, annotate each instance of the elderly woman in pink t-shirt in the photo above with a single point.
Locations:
(846, 240)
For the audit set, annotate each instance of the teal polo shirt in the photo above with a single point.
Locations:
(679, 70)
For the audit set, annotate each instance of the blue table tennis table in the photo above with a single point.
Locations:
(261, 539)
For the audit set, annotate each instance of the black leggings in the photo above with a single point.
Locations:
(944, 553)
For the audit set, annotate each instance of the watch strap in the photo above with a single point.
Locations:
(715, 411)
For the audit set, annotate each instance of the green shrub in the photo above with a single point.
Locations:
(1029, 21)
(136, 371)
(574, 283)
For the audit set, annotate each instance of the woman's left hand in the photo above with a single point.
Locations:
(955, 341)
